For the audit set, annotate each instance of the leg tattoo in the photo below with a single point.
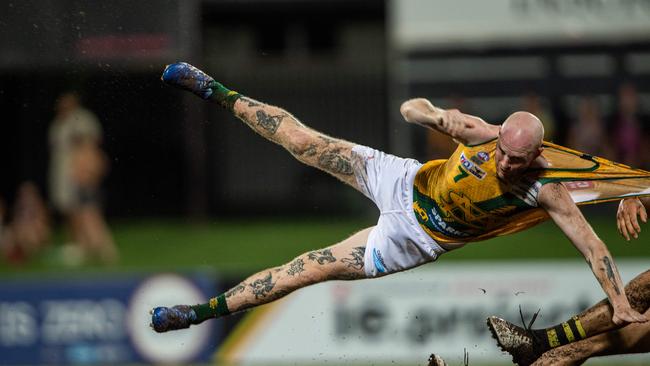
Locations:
(322, 257)
(296, 267)
(262, 287)
(311, 147)
(356, 258)
(267, 122)
(336, 162)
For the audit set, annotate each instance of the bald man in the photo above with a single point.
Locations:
(493, 184)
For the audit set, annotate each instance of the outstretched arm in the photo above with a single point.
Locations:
(626, 217)
(555, 199)
(464, 128)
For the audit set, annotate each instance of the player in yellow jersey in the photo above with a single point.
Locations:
(501, 179)
(590, 333)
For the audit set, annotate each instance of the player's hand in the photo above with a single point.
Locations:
(626, 217)
(624, 315)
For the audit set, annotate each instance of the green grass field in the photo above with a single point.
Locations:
(235, 247)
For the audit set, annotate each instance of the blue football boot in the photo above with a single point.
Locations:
(164, 319)
(187, 77)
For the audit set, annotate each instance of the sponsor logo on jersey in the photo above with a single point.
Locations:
(379, 261)
(471, 167)
(578, 185)
(442, 227)
(480, 158)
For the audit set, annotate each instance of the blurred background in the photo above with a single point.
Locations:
(119, 194)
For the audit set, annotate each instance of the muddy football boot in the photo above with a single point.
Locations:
(164, 319)
(187, 77)
(435, 360)
(515, 340)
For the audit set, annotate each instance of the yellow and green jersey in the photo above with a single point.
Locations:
(461, 199)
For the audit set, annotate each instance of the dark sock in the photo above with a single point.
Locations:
(224, 96)
(215, 308)
(559, 335)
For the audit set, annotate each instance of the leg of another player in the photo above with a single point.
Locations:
(526, 346)
(342, 261)
(633, 338)
(598, 318)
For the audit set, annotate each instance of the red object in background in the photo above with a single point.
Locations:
(120, 46)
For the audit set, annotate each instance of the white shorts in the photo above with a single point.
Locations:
(397, 242)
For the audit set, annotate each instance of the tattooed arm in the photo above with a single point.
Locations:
(555, 199)
(462, 127)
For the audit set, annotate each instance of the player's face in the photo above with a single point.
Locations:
(511, 163)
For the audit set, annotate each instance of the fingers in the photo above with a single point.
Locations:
(635, 221)
(630, 316)
(617, 320)
(622, 228)
(636, 318)
(643, 214)
(632, 224)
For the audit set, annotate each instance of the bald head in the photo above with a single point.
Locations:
(519, 144)
(522, 132)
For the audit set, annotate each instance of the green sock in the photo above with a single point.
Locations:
(224, 96)
(215, 308)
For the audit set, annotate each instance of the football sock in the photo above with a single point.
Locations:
(215, 308)
(559, 335)
(224, 96)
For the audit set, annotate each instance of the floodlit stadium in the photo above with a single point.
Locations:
(360, 182)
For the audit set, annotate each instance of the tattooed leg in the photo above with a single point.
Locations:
(342, 261)
(333, 156)
(311, 147)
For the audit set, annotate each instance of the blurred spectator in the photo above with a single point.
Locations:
(628, 136)
(438, 145)
(532, 103)
(3, 228)
(29, 230)
(77, 168)
(587, 133)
